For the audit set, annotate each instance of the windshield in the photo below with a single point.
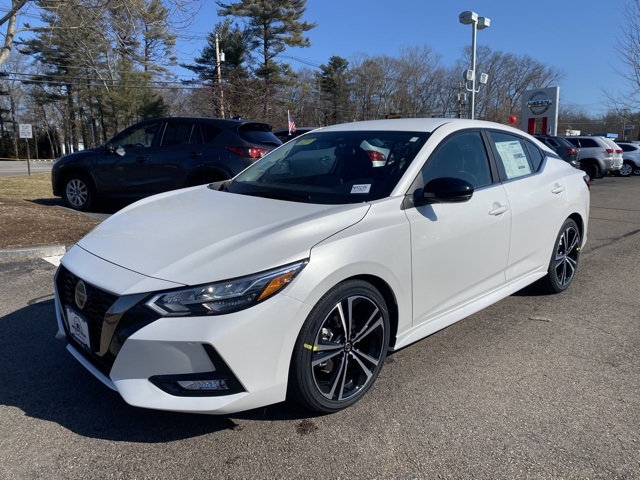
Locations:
(332, 167)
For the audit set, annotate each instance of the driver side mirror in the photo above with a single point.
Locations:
(443, 190)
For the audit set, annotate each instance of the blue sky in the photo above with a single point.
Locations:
(578, 36)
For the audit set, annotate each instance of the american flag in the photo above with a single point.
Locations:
(292, 124)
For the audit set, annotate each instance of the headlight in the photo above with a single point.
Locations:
(224, 297)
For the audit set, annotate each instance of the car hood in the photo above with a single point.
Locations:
(199, 235)
(81, 155)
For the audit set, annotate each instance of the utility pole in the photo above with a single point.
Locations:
(218, 61)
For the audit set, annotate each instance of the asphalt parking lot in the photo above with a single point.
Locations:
(536, 386)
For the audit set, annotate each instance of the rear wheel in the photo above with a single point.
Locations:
(341, 348)
(564, 261)
(591, 168)
(626, 169)
(78, 191)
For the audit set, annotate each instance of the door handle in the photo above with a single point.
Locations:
(499, 210)
(557, 189)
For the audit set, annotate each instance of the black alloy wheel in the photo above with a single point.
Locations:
(341, 348)
(564, 261)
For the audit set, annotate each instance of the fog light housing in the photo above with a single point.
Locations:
(219, 382)
(213, 384)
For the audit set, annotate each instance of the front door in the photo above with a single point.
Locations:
(459, 250)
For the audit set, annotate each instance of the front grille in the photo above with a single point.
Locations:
(98, 303)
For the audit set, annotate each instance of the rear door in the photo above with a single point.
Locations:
(537, 197)
(180, 150)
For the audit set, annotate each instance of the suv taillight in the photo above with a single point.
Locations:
(249, 152)
(571, 151)
(376, 156)
(609, 150)
(618, 151)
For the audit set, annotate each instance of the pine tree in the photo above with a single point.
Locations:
(272, 26)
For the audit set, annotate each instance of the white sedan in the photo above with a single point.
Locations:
(295, 278)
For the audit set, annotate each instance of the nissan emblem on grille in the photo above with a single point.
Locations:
(81, 294)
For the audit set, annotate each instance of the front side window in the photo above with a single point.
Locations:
(140, 137)
(333, 167)
(460, 156)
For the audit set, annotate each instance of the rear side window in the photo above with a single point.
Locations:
(514, 159)
(574, 142)
(588, 143)
(627, 148)
(258, 133)
(182, 133)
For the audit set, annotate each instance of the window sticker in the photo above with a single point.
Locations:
(306, 141)
(361, 188)
(514, 159)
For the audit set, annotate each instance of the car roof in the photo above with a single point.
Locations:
(415, 124)
(228, 121)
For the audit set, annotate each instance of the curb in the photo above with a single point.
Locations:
(29, 253)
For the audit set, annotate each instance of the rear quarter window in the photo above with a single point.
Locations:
(209, 132)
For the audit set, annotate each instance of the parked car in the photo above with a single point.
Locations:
(295, 278)
(630, 158)
(594, 154)
(565, 149)
(161, 154)
(617, 155)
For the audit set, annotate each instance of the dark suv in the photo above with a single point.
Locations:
(158, 155)
(565, 149)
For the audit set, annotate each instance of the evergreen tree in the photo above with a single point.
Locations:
(334, 86)
(272, 25)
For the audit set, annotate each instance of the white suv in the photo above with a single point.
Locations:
(630, 158)
(617, 154)
(595, 155)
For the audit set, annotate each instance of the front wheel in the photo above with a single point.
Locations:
(78, 192)
(341, 348)
(564, 261)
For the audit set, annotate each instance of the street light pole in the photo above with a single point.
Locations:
(472, 96)
(477, 23)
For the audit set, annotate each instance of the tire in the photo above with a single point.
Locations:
(591, 169)
(636, 170)
(565, 257)
(341, 348)
(626, 170)
(78, 192)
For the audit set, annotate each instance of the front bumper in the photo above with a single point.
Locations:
(143, 356)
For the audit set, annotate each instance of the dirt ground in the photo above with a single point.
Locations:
(25, 223)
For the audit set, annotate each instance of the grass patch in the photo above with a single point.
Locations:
(26, 187)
